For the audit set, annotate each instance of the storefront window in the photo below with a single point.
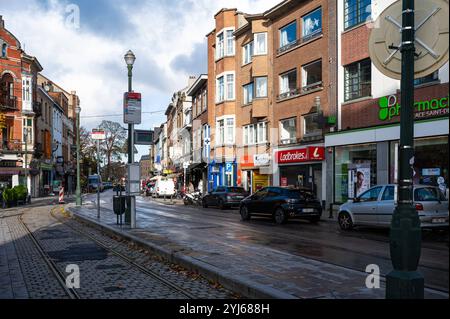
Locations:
(431, 162)
(355, 170)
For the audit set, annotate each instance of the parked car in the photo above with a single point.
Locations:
(225, 197)
(164, 187)
(107, 185)
(375, 207)
(282, 204)
(94, 182)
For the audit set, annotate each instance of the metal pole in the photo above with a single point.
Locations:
(405, 282)
(131, 152)
(78, 190)
(98, 181)
(26, 160)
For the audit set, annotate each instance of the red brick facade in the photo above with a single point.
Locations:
(355, 45)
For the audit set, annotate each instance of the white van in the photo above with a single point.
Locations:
(164, 187)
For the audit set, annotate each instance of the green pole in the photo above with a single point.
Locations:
(78, 190)
(405, 282)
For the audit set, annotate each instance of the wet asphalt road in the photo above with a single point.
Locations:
(323, 242)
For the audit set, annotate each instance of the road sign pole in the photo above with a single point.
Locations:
(98, 181)
(405, 282)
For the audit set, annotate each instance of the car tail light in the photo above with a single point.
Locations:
(419, 206)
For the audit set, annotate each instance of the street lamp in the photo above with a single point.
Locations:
(25, 137)
(78, 190)
(130, 58)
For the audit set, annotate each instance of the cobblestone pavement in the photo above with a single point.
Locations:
(24, 273)
(300, 259)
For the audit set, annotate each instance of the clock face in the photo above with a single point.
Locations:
(431, 38)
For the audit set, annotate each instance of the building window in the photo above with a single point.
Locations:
(312, 76)
(288, 131)
(312, 25)
(247, 53)
(220, 89)
(230, 131)
(4, 50)
(26, 90)
(288, 34)
(230, 86)
(205, 100)
(225, 131)
(255, 133)
(310, 125)
(357, 82)
(356, 12)
(225, 43)
(288, 84)
(260, 43)
(261, 87)
(433, 77)
(248, 93)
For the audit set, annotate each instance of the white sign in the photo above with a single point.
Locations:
(431, 171)
(261, 159)
(134, 178)
(98, 134)
(132, 108)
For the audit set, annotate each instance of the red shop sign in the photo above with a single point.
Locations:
(311, 153)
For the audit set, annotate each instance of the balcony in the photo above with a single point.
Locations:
(288, 94)
(289, 46)
(8, 103)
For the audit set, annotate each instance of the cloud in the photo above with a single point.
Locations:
(168, 38)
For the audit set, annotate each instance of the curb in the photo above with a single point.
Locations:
(234, 283)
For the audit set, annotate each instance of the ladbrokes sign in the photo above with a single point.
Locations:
(308, 154)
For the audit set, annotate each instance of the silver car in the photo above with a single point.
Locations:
(376, 206)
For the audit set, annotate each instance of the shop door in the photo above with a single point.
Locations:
(317, 173)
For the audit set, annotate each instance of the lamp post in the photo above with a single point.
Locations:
(130, 58)
(78, 190)
(25, 137)
(405, 282)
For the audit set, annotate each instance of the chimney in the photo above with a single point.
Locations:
(192, 79)
(2, 23)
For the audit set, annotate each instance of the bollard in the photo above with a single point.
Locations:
(331, 211)
(61, 195)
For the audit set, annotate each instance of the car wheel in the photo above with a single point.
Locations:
(345, 221)
(280, 216)
(204, 204)
(245, 214)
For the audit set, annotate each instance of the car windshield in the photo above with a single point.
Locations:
(299, 194)
(236, 190)
(428, 194)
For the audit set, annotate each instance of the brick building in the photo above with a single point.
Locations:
(19, 110)
(367, 139)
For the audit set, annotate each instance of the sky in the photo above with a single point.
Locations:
(81, 45)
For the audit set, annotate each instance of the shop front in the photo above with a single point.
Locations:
(222, 174)
(301, 168)
(367, 156)
(253, 173)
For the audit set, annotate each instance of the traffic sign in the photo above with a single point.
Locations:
(132, 108)
(431, 39)
(98, 134)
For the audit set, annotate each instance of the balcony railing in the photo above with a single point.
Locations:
(289, 46)
(8, 102)
(312, 87)
(288, 94)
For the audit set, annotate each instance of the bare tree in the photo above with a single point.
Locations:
(113, 145)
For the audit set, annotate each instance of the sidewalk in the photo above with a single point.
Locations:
(253, 270)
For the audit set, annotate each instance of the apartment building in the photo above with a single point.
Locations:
(201, 146)
(369, 107)
(19, 110)
(272, 82)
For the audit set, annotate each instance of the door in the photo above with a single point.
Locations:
(271, 201)
(364, 209)
(386, 206)
(317, 173)
(257, 200)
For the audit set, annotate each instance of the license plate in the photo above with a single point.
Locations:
(309, 210)
(438, 220)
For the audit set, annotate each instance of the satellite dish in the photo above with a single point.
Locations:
(431, 38)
